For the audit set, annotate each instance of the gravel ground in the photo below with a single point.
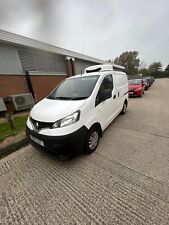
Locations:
(126, 181)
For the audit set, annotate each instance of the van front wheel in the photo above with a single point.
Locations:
(124, 108)
(92, 140)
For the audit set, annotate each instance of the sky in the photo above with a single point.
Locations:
(100, 28)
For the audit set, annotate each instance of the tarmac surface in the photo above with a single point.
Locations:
(126, 181)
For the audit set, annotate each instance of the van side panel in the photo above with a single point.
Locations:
(121, 83)
(108, 110)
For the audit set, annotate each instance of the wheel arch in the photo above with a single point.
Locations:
(126, 101)
(98, 125)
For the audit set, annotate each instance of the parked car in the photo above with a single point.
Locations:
(146, 83)
(79, 109)
(150, 80)
(136, 87)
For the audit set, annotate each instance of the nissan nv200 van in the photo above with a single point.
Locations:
(78, 110)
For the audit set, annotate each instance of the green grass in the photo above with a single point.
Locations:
(19, 124)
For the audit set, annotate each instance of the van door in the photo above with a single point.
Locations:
(106, 108)
(121, 83)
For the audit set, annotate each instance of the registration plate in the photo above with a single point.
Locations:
(131, 92)
(39, 142)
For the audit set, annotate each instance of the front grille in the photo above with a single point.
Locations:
(38, 125)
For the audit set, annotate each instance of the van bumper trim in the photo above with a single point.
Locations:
(54, 143)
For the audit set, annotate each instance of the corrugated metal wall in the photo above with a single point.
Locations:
(30, 43)
(80, 65)
(9, 60)
(36, 60)
(13, 60)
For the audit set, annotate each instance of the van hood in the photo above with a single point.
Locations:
(49, 110)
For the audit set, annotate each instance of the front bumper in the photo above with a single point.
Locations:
(53, 144)
(134, 93)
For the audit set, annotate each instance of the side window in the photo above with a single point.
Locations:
(106, 84)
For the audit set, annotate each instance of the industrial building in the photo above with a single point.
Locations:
(31, 66)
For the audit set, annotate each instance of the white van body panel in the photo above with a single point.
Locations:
(107, 110)
(121, 86)
(55, 109)
(104, 113)
(59, 131)
(103, 68)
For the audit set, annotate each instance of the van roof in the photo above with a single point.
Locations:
(103, 67)
(88, 74)
(98, 74)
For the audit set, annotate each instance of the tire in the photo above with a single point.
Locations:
(124, 109)
(92, 140)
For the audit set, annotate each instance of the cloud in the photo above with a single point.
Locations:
(103, 29)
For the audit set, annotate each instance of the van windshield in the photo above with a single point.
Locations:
(75, 89)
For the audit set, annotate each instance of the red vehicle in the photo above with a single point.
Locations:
(136, 87)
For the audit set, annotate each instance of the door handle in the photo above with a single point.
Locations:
(114, 96)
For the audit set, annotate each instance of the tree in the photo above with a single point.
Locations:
(130, 61)
(144, 72)
(167, 69)
(155, 68)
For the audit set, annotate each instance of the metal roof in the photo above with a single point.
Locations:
(15, 39)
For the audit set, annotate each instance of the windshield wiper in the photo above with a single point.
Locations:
(63, 98)
(79, 98)
(50, 97)
(60, 98)
(66, 98)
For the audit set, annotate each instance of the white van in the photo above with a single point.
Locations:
(78, 110)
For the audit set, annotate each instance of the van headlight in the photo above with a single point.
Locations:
(68, 120)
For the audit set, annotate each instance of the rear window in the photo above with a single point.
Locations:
(135, 82)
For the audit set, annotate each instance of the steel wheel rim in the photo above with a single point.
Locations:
(93, 140)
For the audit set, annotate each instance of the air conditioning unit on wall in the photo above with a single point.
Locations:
(2, 105)
(22, 101)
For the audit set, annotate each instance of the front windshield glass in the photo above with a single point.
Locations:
(134, 82)
(75, 88)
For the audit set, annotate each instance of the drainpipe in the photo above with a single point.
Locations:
(72, 60)
(29, 84)
(70, 66)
